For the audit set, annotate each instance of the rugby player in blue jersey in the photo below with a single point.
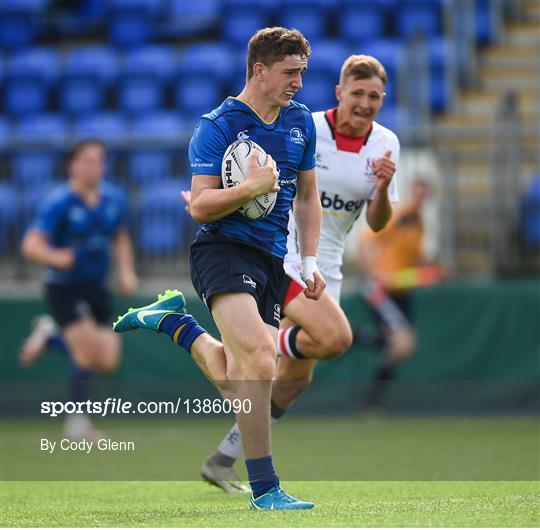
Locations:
(77, 226)
(237, 263)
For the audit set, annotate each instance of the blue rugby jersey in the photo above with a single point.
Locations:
(88, 230)
(290, 139)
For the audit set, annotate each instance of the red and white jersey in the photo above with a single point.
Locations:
(346, 182)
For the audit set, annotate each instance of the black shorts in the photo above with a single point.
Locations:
(69, 303)
(220, 264)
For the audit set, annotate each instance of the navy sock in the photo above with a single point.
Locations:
(261, 475)
(56, 342)
(78, 383)
(183, 329)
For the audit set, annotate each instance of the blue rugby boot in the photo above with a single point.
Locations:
(277, 499)
(151, 315)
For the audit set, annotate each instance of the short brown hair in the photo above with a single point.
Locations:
(78, 147)
(362, 67)
(271, 45)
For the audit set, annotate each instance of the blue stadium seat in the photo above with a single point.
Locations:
(318, 92)
(19, 22)
(110, 127)
(240, 24)
(30, 74)
(361, 22)
(34, 168)
(209, 58)
(419, 17)
(8, 204)
(307, 18)
(197, 94)
(390, 53)
(162, 126)
(161, 218)
(9, 211)
(145, 75)
(328, 56)
(132, 22)
(89, 71)
(44, 135)
(484, 21)
(5, 127)
(49, 129)
(190, 18)
(530, 214)
(150, 165)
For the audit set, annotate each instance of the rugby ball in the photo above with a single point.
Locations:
(233, 170)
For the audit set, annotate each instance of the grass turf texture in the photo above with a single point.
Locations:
(192, 504)
(305, 448)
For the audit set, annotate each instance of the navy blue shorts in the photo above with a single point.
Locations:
(69, 303)
(220, 264)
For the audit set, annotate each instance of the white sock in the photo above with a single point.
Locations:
(231, 445)
(284, 347)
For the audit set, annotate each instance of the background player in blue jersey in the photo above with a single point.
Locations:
(237, 263)
(72, 235)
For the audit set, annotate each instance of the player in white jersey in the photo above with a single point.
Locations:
(356, 161)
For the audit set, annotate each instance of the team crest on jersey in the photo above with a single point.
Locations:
(297, 136)
(243, 135)
(368, 170)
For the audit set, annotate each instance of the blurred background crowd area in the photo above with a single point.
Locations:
(463, 97)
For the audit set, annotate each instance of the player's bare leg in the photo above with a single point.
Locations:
(253, 344)
(324, 331)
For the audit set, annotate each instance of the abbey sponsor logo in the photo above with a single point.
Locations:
(243, 135)
(337, 203)
(297, 136)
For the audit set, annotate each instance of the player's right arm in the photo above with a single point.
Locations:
(210, 202)
(35, 247)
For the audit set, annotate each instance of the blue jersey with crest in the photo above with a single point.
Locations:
(68, 221)
(290, 139)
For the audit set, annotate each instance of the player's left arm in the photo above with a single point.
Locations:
(124, 257)
(379, 210)
(308, 214)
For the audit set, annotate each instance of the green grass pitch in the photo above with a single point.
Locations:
(386, 472)
(186, 504)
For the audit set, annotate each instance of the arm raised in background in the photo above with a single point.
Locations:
(379, 210)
